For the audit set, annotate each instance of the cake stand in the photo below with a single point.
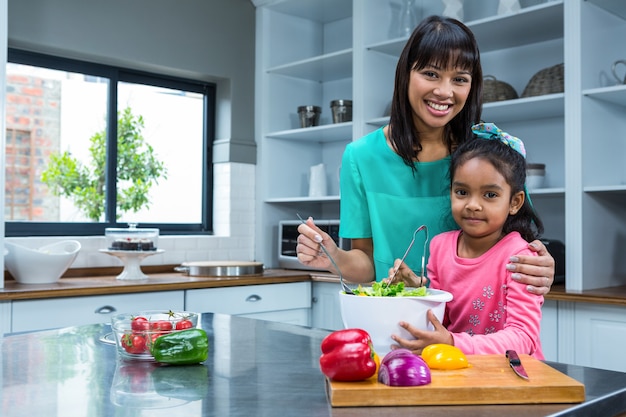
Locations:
(132, 261)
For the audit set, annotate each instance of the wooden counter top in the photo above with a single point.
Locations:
(164, 279)
(610, 295)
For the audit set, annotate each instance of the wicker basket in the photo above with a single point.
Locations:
(547, 81)
(495, 90)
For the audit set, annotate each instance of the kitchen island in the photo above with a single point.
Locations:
(255, 368)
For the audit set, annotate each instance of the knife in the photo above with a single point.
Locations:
(516, 364)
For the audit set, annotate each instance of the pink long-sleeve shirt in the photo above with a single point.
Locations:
(490, 312)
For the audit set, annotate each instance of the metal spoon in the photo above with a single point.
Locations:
(341, 281)
(422, 227)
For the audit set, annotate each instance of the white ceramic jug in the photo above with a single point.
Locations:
(317, 181)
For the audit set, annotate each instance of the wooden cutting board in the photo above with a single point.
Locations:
(489, 380)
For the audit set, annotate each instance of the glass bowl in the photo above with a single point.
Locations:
(131, 238)
(135, 333)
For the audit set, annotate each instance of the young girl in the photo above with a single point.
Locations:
(490, 312)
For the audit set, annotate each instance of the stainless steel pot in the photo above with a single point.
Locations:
(220, 268)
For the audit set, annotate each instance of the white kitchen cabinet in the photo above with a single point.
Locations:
(600, 335)
(290, 303)
(549, 330)
(41, 314)
(325, 308)
(313, 51)
(5, 317)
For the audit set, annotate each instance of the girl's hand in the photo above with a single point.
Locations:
(423, 338)
(308, 248)
(536, 271)
(405, 274)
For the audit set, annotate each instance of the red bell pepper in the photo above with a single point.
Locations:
(348, 355)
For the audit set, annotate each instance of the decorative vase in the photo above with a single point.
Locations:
(403, 20)
(453, 8)
(508, 6)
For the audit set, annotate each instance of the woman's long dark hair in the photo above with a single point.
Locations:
(512, 165)
(447, 43)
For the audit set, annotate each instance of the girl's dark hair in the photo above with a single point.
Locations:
(512, 165)
(447, 43)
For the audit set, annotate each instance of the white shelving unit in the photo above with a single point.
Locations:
(314, 51)
(311, 52)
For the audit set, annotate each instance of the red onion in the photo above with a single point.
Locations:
(401, 368)
(395, 353)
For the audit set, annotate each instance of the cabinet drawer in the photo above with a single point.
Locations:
(250, 299)
(298, 316)
(29, 315)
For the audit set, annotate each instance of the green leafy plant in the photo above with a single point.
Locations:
(138, 169)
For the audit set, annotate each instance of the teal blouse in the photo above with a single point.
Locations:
(383, 199)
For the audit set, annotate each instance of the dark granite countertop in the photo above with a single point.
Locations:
(255, 368)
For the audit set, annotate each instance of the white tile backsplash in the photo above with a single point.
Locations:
(233, 224)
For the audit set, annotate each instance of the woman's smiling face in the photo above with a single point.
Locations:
(437, 95)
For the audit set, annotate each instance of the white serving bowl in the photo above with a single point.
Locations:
(40, 266)
(379, 316)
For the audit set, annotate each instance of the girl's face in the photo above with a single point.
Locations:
(481, 199)
(437, 95)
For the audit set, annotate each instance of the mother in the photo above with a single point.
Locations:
(396, 178)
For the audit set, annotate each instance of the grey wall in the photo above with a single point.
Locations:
(211, 40)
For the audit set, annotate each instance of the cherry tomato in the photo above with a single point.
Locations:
(151, 339)
(140, 324)
(184, 324)
(162, 325)
(134, 343)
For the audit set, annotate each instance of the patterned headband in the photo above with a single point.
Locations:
(491, 131)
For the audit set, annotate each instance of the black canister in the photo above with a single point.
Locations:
(342, 110)
(309, 115)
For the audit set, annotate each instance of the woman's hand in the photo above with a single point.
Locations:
(423, 338)
(308, 248)
(536, 271)
(404, 274)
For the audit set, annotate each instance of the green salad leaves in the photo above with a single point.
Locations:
(382, 289)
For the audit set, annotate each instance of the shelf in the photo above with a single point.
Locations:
(524, 109)
(323, 11)
(286, 200)
(323, 68)
(546, 21)
(618, 189)
(548, 192)
(617, 7)
(379, 121)
(613, 95)
(391, 47)
(537, 193)
(327, 133)
(520, 109)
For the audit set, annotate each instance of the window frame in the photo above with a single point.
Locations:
(115, 75)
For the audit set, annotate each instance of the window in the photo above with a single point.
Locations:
(90, 146)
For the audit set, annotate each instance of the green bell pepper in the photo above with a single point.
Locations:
(184, 347)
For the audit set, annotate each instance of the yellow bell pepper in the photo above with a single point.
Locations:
(442, 356)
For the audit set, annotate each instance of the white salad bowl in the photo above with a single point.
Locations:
(40, 266)
(379, 316)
